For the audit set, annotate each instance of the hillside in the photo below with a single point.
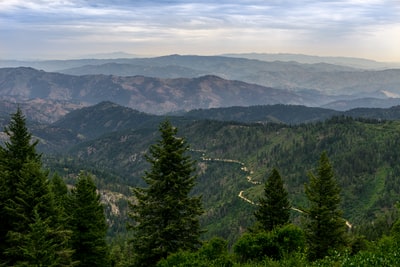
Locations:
(233, 158)
(91, 122)
(105, 117)
(288, 114)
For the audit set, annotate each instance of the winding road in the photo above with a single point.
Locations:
(249, 179)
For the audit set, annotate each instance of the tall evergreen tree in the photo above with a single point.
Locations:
(17, 151)
(274, 206)
(25, 198)
(325, 227)
(88, 224)
(166, 218)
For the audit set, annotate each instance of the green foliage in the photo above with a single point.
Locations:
(290, 239)
(87, 223)
(395, 232)
(273, 209)
(17, 151)
(32, 196)
(325, 227)
(42, 245)
(27, 205)
(166, 218)
(380, 226)
(120, 253)
(280, 242)
(385, 252)
(59, 190)
(212, 253)
(20, 148)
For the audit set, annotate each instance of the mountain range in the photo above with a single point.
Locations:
(151, 95)
(171, 83)
(325, 77)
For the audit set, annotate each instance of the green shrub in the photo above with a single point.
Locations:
(275, 244)
(289, 238)
(212, 253)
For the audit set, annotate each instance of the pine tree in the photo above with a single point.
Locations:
(88, 224)
(25, 197)
(274, 206)
(165, 216)
(325, 227)
(17, 151)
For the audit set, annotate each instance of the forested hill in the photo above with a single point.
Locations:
(289, 114)
(106, 117)
(365, 155)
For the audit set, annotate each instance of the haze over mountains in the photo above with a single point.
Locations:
(181, 83)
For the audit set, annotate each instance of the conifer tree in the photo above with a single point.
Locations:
(17, 151)
(25, 197)
(274, 206)
(88, 224)
(166, 218)
(325, 227)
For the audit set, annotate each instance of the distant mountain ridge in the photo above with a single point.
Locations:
(146, 94)
(173, 83)
(319, 75)
(324, 77)
(309, 59)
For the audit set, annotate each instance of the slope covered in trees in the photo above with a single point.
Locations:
(231, 158)
(364, 154)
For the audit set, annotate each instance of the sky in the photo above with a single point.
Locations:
(60, 29)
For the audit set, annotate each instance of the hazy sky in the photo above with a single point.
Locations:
(74, 28)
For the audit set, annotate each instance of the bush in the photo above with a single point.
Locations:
(275, 244)
(212, 253)
(290, 238)
(256, 246)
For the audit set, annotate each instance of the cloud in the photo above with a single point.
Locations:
(122, 22)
